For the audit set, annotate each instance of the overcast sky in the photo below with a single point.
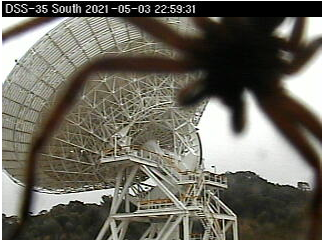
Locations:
(259, 149)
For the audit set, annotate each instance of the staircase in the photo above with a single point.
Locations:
(206, 224)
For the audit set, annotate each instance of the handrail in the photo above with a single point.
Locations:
(127, 149)
(221, 204)
(219, 178)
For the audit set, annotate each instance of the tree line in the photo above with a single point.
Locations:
(265, 211)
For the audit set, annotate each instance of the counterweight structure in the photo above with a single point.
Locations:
(125, 132)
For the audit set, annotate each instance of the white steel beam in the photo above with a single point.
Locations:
(164, 189)
(153, 231)
(106, 224)
(173, 185)
(235, 232)
(186, 227)
(151, 213)
(116, 191)
(122, 224)
(228, 225)
(172, 227)
(148, 230)
(113, 228)
(123, 227)
(164, 228)
(222, 205)
(129, 181)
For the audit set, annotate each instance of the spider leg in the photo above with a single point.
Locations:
(238, 115)
(205, 23)
(302, 115)
(25, 26)
(286, 124)
(165, 34)
(138, 64)
(304, 118)
(236, 105)
(289, 127)
(297, 33)
(193, 93)
(302, 56)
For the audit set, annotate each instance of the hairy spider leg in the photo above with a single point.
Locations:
(25, 26)
(139, 64)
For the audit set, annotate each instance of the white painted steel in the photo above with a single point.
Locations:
(166, 204)
(125, 129)
(114, 109)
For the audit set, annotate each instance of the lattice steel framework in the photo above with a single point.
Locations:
(114, 108)
(125, 132)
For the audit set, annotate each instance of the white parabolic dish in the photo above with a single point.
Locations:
(124, 109)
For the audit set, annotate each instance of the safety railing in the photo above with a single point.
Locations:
(214, 178)
(139, 151)
(155, 204)
(196, 236)
(188, 176)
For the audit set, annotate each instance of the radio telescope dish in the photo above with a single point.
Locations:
(124, 129)
(115, 112)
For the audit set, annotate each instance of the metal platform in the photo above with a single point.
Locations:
(112, 106)
(125, 132)
(171, 204)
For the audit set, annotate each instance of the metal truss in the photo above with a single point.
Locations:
(113, 108)
(126, 132)
(173, 207)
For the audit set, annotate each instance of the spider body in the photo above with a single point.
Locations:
(239, 54)
(236, 56)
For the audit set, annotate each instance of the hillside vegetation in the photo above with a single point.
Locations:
(265, 211)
